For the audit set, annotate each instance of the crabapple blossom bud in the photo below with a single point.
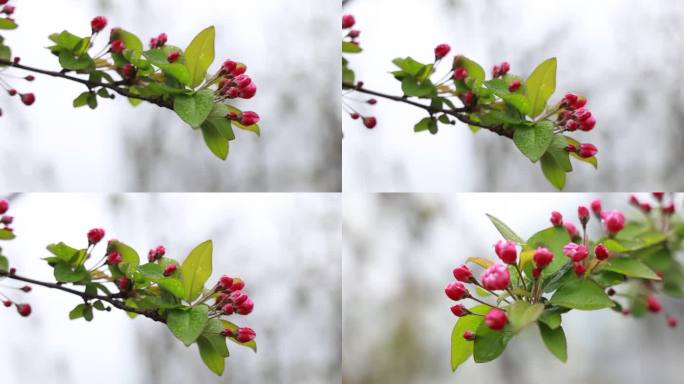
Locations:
(669, 208)
(354, 33)
(579, 269)
(370, 122)
(24, 309)
(170, 269)
(575, 252)
(372, 101)
(588, 124)
(242, 81)
(571, 229)
(556, 219)
(29, 77)
(151, 256)
(672, 321)
(97, 24)
(496, 277)
(469, 335)
(601, 251)
(3, 2)
(542, 257)
(646, 207)
(228, 309)
(12, 92)
(26, 289)
(238, 297)
(7, 303)
(348, 21)
(114, 258)
(505, 67)
(248, 92)
(459, 310)
(496, 319)
(226, 282)
(460, 73)
(4, 206)
(12, 271)
(245, 334)
(118, 46)
(456, 291)
(28, 99)
(16, 60)
(596, 207)
(468, 98)
(249, 118)
(583, 214)
(515, 86)
(506, 250)
(658, 195)
(173, 57)
(536, 272)
(128, 71)
(354, 115)
(162, 39)
(626, 311)
(237, 284)
(569, 99)
(634, 200)
(582, 114)
(441, 51)
(653, 304)
(571, 125)
(613, 222)
(496, 71)
(246, 307)
(8, 9)
(122, 282)
(228, 332)
(95, 235)
(463, 273)
(6, 220)
(581, 102)
(587, 150)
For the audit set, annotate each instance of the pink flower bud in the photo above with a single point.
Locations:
(160, 251)
(246, 307)
(354, 33)
(97, 24)
(173, 57)
(634, 200)
(249, 118)
(613, 222)
(496, 71)
(506, 250)
(514, 86)
(237, 285)
(128, 71)
(26, 289)
(123, 282)
(459, 310)
(505, 67)
(7, 303)
(469, 335)
(496, 319)
(242, 81)
(575, 251)
(556, 219)
(24, 309)
(569, 99)
(658, 195)
(460, 73)
(370, 122)
(248, 92)
(463, 273)
(226, 282)
(596, 207)
(583, 214)
(536, 272)
(653, 304)
(28, 99)
(468, 98)
(601, 251)
(580, 269)
(114, 258)
(348, 21)
(8, 10)
(238, 297)
(496, 277)
(245, 334)
(582, 114)
(118, 46)
(441, 51)
(228, 309)
(4, 206)
(646, 207)
(170, 269)
(6, 220)
(672, 321)
(588, 124)
(542, 257)
(95, 235)
(669, 208)
(581, 102)
(456, 291)
(161, 40)
(587, 150)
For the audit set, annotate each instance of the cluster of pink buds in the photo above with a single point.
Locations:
(26, 98)
(22, 308)
(348, 22)
(573, 116)
(501, 69)
(246, 118)
(156, 253)
(665, 208)
(234, 83)
(351, 36)
(5, 220)
(159, 41)
(231, 298)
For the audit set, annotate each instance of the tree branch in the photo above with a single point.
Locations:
(458, 113)
(86, 297)
(88, 83)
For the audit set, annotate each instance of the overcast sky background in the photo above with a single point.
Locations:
(286, 248)
(625, 56)
(292, 53)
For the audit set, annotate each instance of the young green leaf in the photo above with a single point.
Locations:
(559, 154)
(217, 144)
(7, 23)
(130, 258)
(474, 69)
(553, 171)
(581, 294)
(187, 324)
(490, 344)
(194, 109)
(67, 274)
(211, 357)
(199, 55)
(505, 231)
(6, 235)
(554, 339)
(197, 269)
(462, 349)
(630, 267)
(551, 318)
(541, 85)
(349, 47)
(535, 140)
(522, 313)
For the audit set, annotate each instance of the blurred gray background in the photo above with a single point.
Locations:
(625, 56)
(287, 249)
(292, 53)
(399, 251)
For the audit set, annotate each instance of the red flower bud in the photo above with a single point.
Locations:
(542, 257)
(583, 214)
(226, 282)
(114, 258)
(237, 285)
(170, 269)
(596, 207)
(556, 219)
(496, 277)
(12, 92)
(6, 220)
(634, 200)
(507, 251)
(24, 309)
(228, 309)
(97, 24)
(161, 40)
(468, 98)
(460, 73)
(579, 269)
(505, 67)
(238, 297)
(128, 71)
(7, 303)
(118, 46)
(463, 273)
(248, 92)
(28, 99)
(536, 272)
(613, 222)
(459, 310)
(456, 291)
(672, 321)
(122, 282)
(646, 207)
(496, 319)
(160, 251)
(587, 150)
(469, 335)
(4, 206)
(669, 208)
(95, 235)
(249, 118)
(246, 307)
(354, 33)
(26, 288)
(653, 304)
(601, 251)
(29, 77)
(354, 115)
(245, 334)
(514, 86)
(8, 10)
(441, 51)
(348, 21)
(658, 195)
(173, 57)
(370, 122)
(569, 99)
(588, 124)
(575, 252)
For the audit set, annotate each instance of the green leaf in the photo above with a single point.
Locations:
(553, 171)
(554, 339)
(212, 332)
(173, 286)
(197, 269)
(462, 349)
(553, 238)
(222, 126)
(474, 69)
(129, 257)
(522, 313)
(178, 71)
(426, 124)
(66, 40)
(5, 53)
(551, 318)
(559, 154)
(65, 273)
(7, 23)
(535, 140)
(6, 235)
(75, 63)
(490, 344)
(581, 294)
(630, 267)
(77, 312)
(410, 66)
(199, 55)
(349, 47)
(519, 102)
(217, 144)
(4, 263)
(541, 85)
(194, 109)
(412, 87)
(504, 230)
(132, 43)
(211, 356)
(187, 325)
